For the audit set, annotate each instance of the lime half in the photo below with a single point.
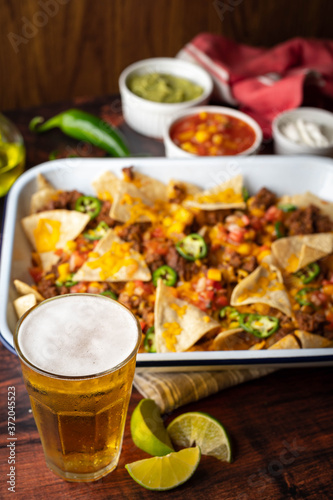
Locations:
(165, 473)
(148, 431)
(204, 431)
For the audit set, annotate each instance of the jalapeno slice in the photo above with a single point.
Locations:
(308, 273)
(97, 233)
(279, 230)
(68, 283)
(287, 207)
(166, 274)
(192, 247)
(149, 341)
(302, 296)
(109, 293)
(88, 205)
(260, 326)
(245, 193)
(229, 311)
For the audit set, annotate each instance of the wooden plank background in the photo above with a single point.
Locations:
(53, 50)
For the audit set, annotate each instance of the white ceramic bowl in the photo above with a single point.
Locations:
(149, 117)
(173, 151)
(285, 146)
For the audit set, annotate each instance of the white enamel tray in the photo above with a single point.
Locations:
(282, 174)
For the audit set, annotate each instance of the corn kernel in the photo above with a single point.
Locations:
(71, 245)
(213, 151)
(183, 215)
(217, 139)
(175, 228)
(203, 115)
(328, 289)
(187, 146)
(214, 274)
(63, 270)
(185, 136)
(212, 129)
(244, 249)
(262, 255)
(49, 276)
(201, 136)
(167, 221)
(257, 212)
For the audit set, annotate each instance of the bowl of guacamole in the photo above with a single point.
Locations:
(154, 89)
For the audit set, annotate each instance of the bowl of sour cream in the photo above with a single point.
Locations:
(303, 131)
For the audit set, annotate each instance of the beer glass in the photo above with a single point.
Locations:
(78, 354)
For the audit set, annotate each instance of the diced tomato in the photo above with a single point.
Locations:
(273, 214)
(158, 232)
(256, 223)
(36, 273)
(147, 288)
(329, 316)
(76, 260)
(318, 298)
(222, 301)
(143, 324)
(80, 287)
(157, 247)
(237, 236)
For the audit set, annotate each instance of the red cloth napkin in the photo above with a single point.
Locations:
(263, 82)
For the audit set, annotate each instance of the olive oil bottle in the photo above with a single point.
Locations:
(12, 154)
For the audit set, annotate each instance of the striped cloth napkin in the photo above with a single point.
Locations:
(172, 390)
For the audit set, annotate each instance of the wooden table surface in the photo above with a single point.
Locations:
(281, 425)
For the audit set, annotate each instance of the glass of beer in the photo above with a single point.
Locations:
(78, 355)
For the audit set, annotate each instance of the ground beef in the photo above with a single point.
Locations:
(178, 194)
(47, 288)
(310, 322)
(185, 269)
(250, 264)
(308, 220)
(211, 217)
(64, 200)
(104, 215)
(235, 260)
(264, 198)
(128, 171)
(134, 234)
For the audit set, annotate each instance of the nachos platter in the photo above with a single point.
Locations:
(224, 262)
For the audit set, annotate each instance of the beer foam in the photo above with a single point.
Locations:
(78, 335)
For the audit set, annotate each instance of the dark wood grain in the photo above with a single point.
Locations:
(281, 428)
(281, 425)
(53, 50)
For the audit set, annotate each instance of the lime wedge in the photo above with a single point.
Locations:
(165, 473)
(148, 431)
(203, 430)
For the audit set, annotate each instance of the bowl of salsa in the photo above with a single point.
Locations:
(212, 131)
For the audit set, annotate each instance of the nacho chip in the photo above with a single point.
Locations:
(43, 183)
(287, 342)
(130, 205)
(226, 195)
(295, 252)
(178, 324)
(151, 188)
(187, 189)
(106, 186)
(310, 340)
(24, 303)
(305, 199)
(263, 286)
(48, 260)
(234, 339)
(25, 289)
(44, 194)
(50, 230)
(113, 260)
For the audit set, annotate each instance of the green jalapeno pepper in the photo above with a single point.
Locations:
(229, 311)
(88, 205)
(279, 229)
(149, 341)
(260, 326)
(84, 127)
(98, 232)
(301, 296)
(166, 274)
(245, 193)
(192, 247)
(308, 273)
(109, 293)
(68, 283)
(287, 207)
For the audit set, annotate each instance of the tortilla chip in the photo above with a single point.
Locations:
(226, 195)
(189, 189)
(130, 205)
(48, 260)
(40, 199)
(51, 229)
(234, 339)
(113, 260)
(263, 286)
(310, 340)
(25, 289)
(178, 324)
(24, 303)
(43, 183)
(306, 199)
(106, 186)
(295, 252)
(287, 342)
(150, 188)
